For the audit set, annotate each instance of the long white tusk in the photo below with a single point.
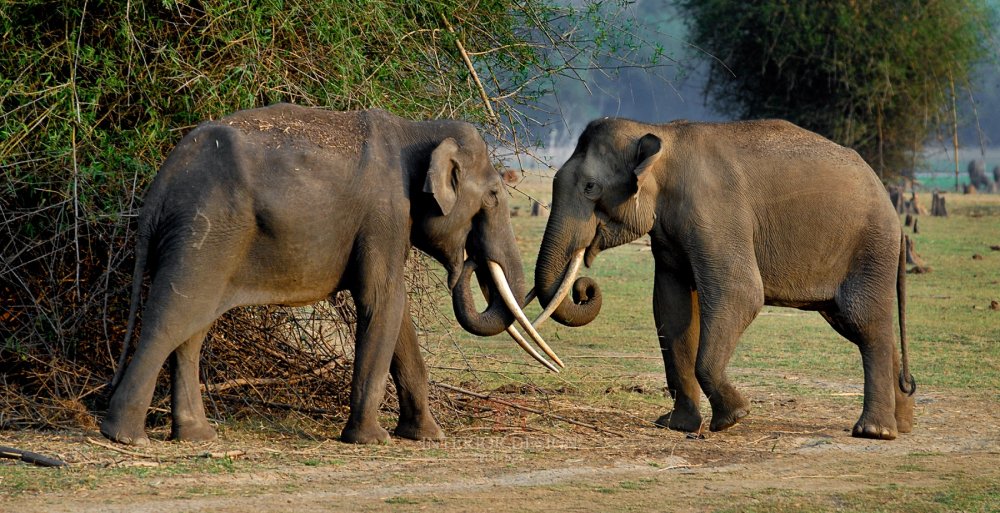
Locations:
(567, 283)
(516, 335)
(500, 279)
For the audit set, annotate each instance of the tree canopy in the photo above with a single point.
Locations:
(874, 75)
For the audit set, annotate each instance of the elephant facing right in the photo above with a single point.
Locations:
(741, 215)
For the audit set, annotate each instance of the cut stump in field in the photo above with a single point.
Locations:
(537, 210)
(914, 259)
(938, 208)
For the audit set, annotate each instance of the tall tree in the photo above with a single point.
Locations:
(874, 75)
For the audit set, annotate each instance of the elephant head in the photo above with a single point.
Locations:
(464, 223)
(602, 197)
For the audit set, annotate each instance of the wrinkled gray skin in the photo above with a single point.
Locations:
(287, 205)
(741, 215)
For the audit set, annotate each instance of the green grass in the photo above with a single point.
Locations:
(980, 496)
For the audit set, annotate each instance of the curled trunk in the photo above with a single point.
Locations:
(584, 302)
(496, 317)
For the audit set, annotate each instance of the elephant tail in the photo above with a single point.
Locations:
(906, 382)
(141, 253)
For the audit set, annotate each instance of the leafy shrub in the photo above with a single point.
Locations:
(94, 94)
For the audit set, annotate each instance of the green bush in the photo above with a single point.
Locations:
(94, 94)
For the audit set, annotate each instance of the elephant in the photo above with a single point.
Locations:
(978, 177)
(287, 205)
(740, 215)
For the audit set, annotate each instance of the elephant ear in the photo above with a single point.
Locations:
(647, 153)
(442, 177)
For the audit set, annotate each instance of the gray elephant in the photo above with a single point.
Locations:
(741, 215)
(977, 175)
(287, 205)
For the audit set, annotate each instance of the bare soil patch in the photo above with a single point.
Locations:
(793, 452)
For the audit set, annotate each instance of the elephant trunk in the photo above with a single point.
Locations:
(554, 267)
(497, 316)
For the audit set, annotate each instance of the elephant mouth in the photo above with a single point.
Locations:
(595, 247)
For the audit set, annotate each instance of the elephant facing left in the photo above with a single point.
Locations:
(287, 205)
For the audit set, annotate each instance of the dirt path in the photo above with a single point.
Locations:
(793, 453)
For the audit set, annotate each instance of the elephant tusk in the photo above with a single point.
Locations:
(516, 335)
(567, 283)
(500, 279)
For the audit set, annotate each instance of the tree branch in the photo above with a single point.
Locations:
(472, 70)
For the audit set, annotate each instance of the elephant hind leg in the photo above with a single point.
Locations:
(189, 421)
(886, 411)
(174, 315)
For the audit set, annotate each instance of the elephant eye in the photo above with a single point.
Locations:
(491, 200)
(592, 188)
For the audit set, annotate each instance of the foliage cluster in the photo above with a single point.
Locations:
(874, 75)
(93, 95)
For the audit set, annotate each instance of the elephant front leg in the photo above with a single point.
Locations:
(675, 310)
(187, 408)
(380, 312)
(410, 375)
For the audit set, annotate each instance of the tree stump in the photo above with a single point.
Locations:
(938, 208)
(911, 206)
(896, 197)
(912, 258)
(537, 210)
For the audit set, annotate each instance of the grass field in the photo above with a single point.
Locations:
(793, 453)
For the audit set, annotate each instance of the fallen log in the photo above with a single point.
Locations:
(30, 457)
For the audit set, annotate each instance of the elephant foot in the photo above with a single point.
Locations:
(868, 428)
(728, 413)
(679, 420)
(200, 432)
(372, 434)
(117, 432)
(427, 429)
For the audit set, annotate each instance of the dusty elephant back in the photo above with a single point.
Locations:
(292, 125)
(782, 160)
(774, 139)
